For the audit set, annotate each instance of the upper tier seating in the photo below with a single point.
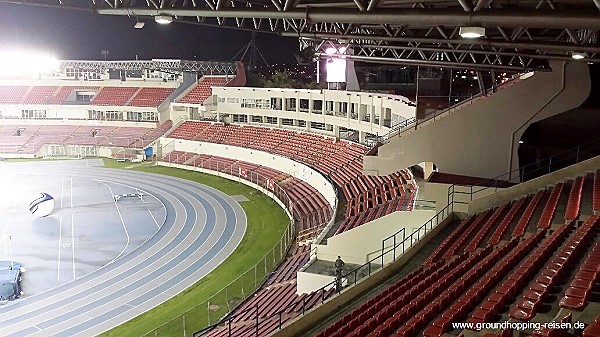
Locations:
(40, 95)
(12, 94)
(203, 89)
(62, 94)
(151, 97)
(33, 137)
(467, 279)
(340, 160)
(117, 96)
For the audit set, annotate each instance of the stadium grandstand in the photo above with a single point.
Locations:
(426, 244)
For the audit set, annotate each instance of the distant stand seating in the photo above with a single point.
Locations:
(12, 94)
(309, 206)
(28, 139)
(117, 96)
(340, 160)
(151, 97)
(203, 90)
(63, 93)
(40, 95)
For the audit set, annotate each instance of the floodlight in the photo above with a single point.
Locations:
(163, 19)
(342, 50)
(471, 32)
(336, 70)
(330, 51)
(578, 55)
(16, 63)
(139, 25)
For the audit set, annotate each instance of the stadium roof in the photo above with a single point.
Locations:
(519, 35)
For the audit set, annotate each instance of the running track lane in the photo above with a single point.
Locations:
(202, 228)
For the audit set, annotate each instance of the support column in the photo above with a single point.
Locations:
(362, 136)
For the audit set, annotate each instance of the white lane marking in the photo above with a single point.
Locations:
(59, 246)
(122, 222)
(73, 241)
(153, 218)
(62, 190)
(4, 237)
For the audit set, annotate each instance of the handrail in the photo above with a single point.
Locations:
(570, 156)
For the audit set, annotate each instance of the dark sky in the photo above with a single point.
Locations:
(71, 34)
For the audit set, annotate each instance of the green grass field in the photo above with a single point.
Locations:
(266, 225)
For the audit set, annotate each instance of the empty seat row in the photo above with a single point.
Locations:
(556, 270)
(548, 211)
(528, 214)
(577, 294)
(574, 203)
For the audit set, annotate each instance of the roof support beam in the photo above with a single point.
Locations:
(558, 19)
(465, 5)
(427, 63)
(479, 42)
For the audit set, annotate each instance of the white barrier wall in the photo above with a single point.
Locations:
(309, 282)
(359, 245)
(286, 165)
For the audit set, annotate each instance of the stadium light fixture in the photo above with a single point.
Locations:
(330, 51)
(577, 55)
(471, 32)
(163, 19)
(139, 25)
(17, 63)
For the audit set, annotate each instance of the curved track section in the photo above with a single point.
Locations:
(202, 228)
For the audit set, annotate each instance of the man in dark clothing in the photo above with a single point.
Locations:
(339, 268)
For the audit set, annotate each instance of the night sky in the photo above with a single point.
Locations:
(69, 34)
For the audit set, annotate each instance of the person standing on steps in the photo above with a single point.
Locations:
(339, 268)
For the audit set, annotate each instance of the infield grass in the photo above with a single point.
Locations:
(266, 224)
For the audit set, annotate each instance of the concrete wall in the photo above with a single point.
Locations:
(481, 139)
(363, 243)
(293, 168)
(534, 185)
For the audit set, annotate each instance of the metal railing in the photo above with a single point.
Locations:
(547, 165)
(226, 299)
